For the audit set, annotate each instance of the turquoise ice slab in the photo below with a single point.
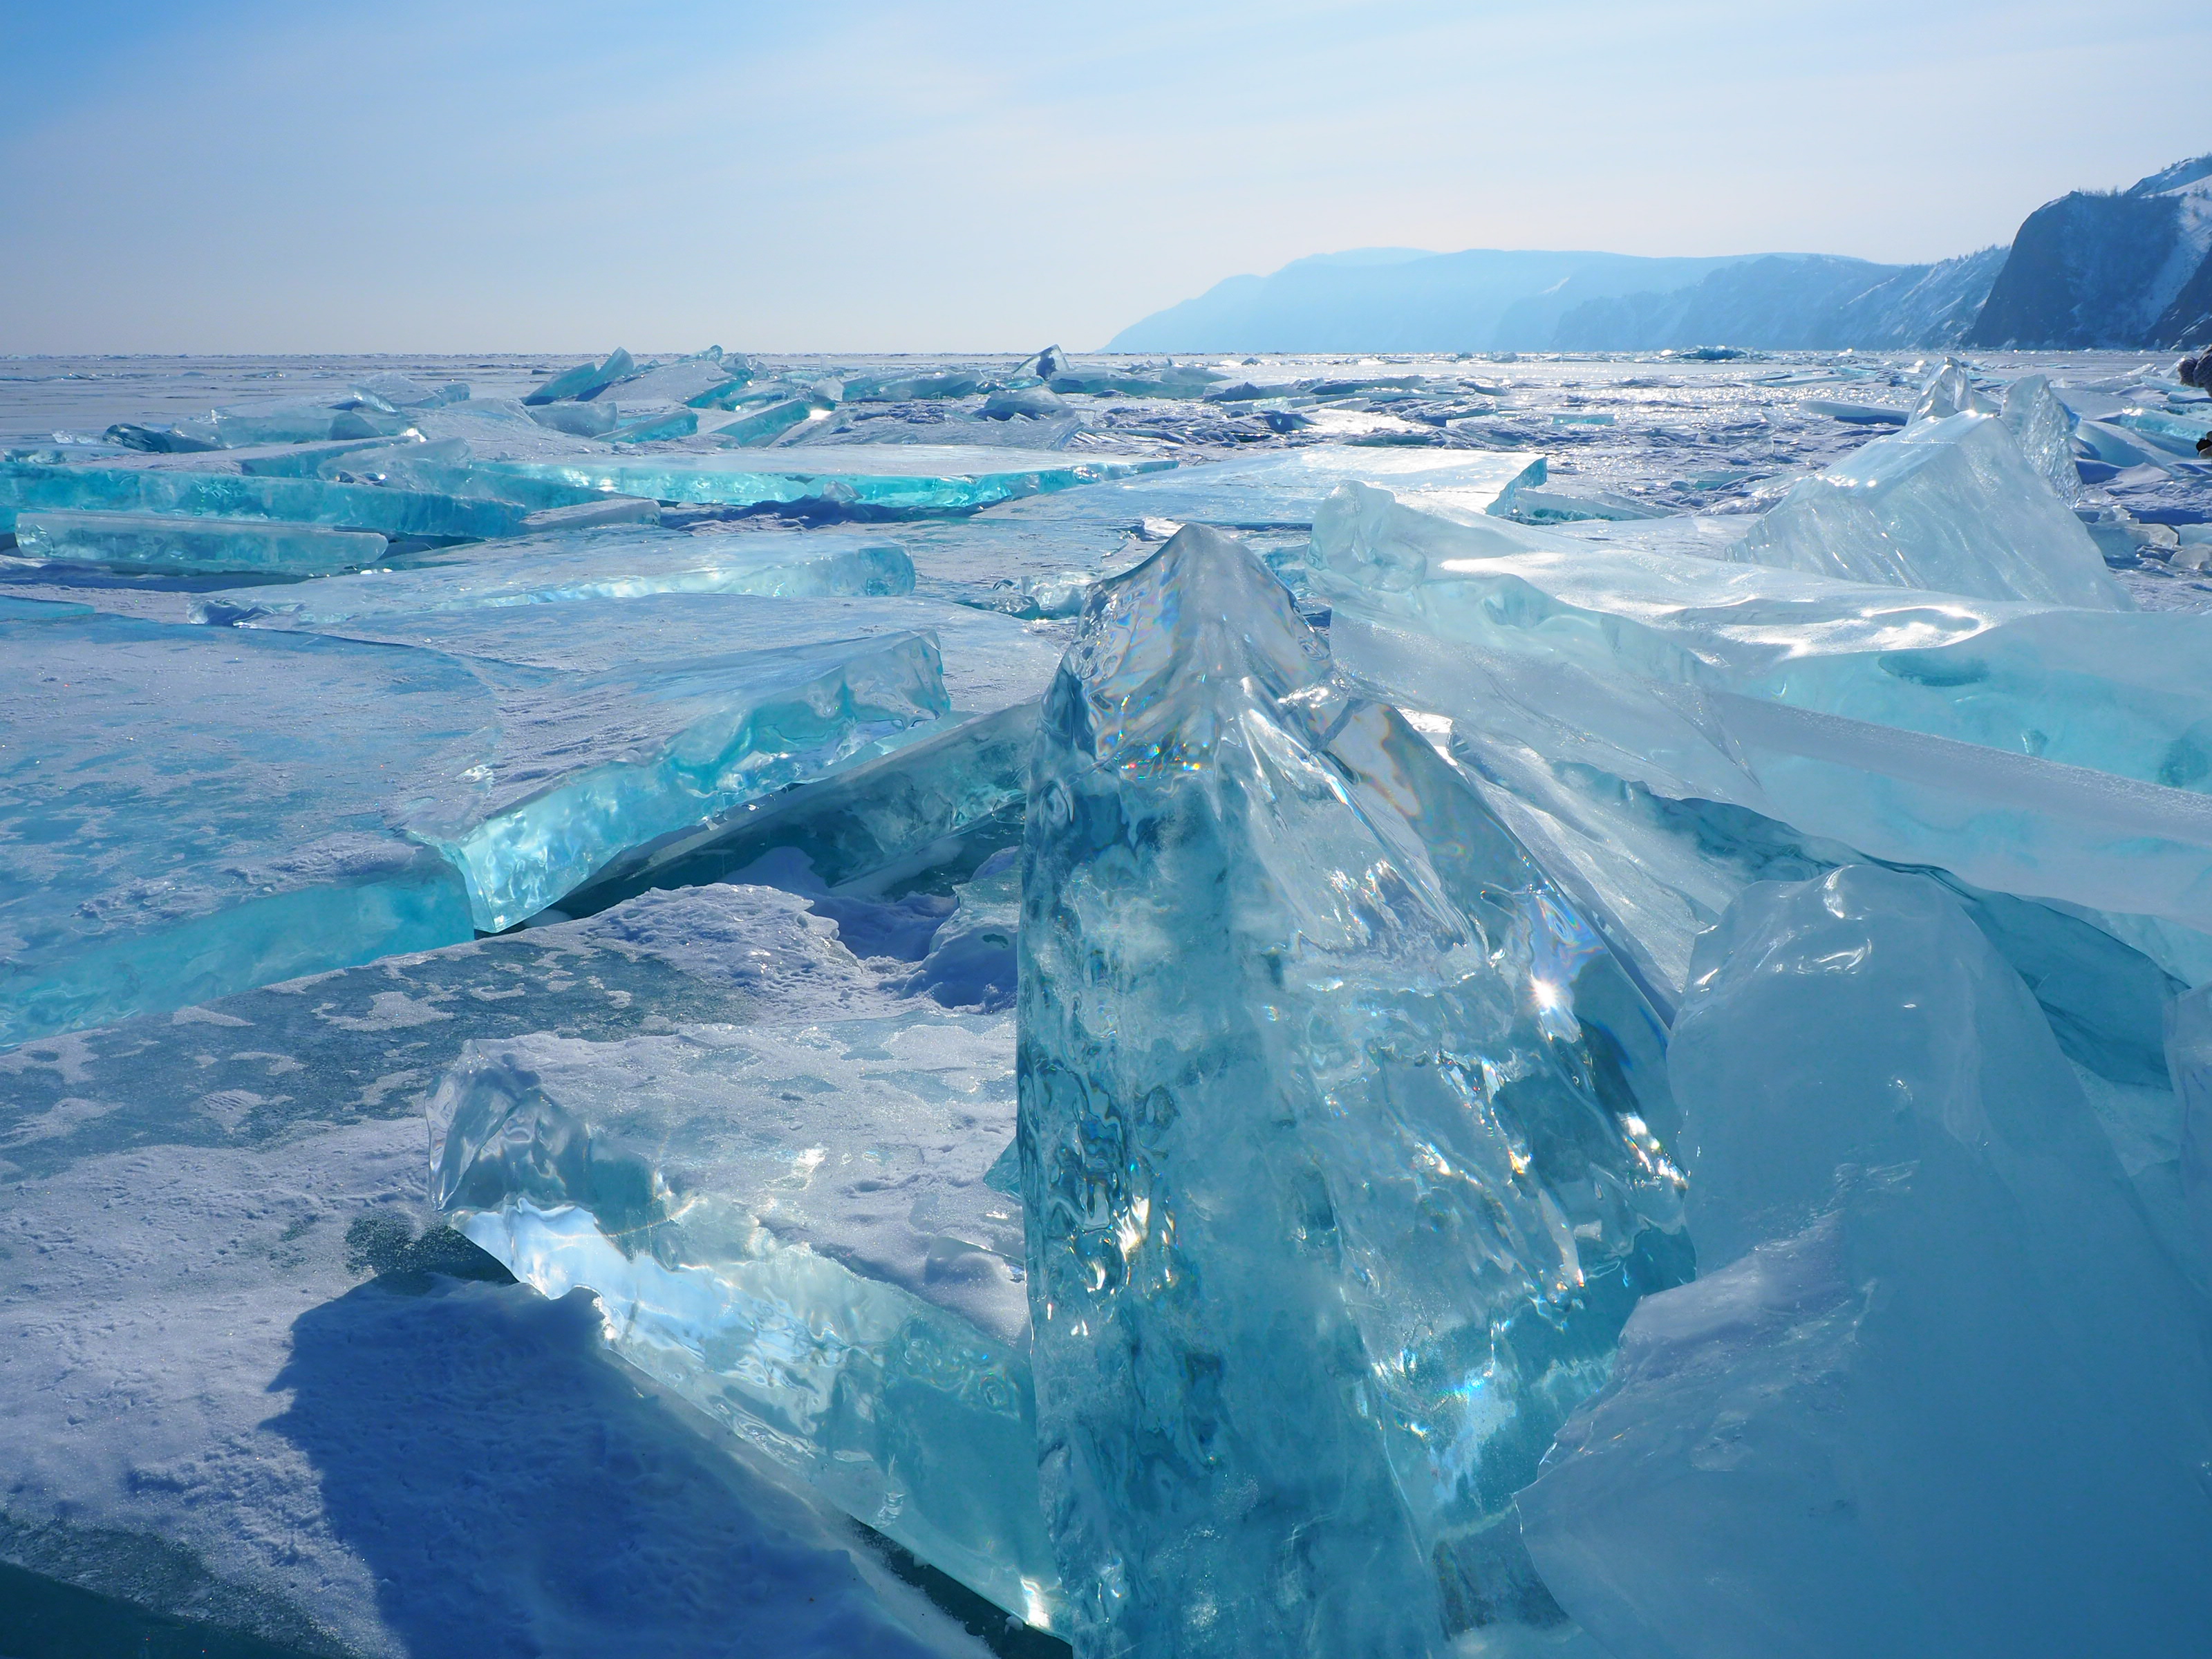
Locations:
(641, 684)
(888, 479)
(184, 814)
(282, 818)
(1339, 1144)
(28, 486)
(146, 540)
(591, 564)
(1283, 491)
(2177, 433)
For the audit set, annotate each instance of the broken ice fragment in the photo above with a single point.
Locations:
(648, 424)
(1284, 491)
(1952, 506)
(195, 545)
(917, 808)
(890, 388)
(1931, 1320)
(1337, 1142)
(688, 740)
(764, 425)
(2040, 750)
(278, 826)
(585, 379)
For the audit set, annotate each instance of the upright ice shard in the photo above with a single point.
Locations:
(198, 545)
(1938, 1390)
(1337, 1143)
(2044, 428)
(1951, 506)
(585, 379)
(1951, 391)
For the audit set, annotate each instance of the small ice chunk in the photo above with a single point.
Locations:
(205, 545)
(1949, 505)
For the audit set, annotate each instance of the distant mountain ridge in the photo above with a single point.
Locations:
(2122, 269)
(2126, 267)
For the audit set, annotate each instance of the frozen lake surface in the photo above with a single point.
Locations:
(535, 896)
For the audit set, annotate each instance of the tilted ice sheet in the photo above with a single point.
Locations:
(2027, 748)
(989, 661)
(1938, 1390)
(275, 826)
(1337, 1143)
(1284, 491)
(786, 1220)
(589, 564)
(1951, 506)
(146, 540)
(930, 803)
(889, 480)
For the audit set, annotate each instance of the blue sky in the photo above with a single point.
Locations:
(232, 175)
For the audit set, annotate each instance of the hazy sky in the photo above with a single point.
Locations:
(434, 175)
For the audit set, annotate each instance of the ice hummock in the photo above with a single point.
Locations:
(1338, 1142)
(1952, 505)
(1938, 1390)
(2027, 748)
